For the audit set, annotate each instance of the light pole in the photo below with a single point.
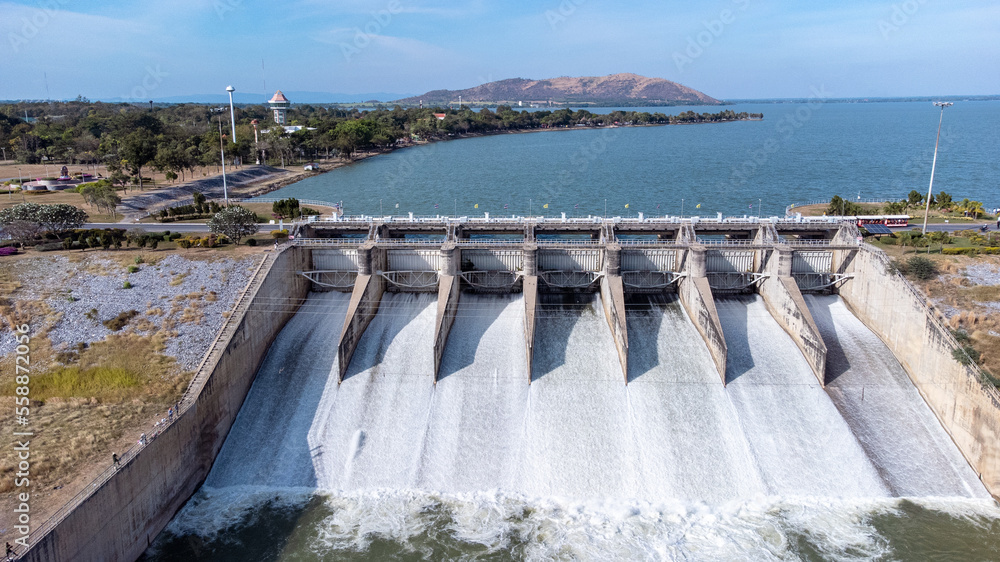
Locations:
(222, 152)
(232, 112)
(927, 209)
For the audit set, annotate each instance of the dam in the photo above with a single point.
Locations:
(570, 389)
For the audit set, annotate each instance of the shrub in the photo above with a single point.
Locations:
(49, 247)
(8, 251)
(959, 251)
(154, 242)
(139, 259)
(921, 268)
(251, 242)
(127, 285)
(965, 355)
(279, 234)
(133, 268)
(119, 322)
(184, 243)
(175, 236)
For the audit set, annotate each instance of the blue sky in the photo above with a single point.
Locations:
(727, 49)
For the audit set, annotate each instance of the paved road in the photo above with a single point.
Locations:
(171, 226)
(950, 227)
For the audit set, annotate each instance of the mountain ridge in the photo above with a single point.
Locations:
(622, 87)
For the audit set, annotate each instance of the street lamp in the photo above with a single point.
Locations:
(222, 152)
(232, 112)
(927, 209)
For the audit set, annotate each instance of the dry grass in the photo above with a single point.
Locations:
(178, 279)
(79, 411)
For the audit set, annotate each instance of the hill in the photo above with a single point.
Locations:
(614, 89)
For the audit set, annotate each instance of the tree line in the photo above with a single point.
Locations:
(131, 140)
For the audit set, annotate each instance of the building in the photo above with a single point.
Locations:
(279, 104)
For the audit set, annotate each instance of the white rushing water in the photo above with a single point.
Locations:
(579, 465)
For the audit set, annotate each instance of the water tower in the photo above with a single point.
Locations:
(279, 104)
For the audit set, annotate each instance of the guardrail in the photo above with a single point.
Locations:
(328, 241)
(185, 402)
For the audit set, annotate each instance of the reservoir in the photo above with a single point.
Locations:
(800, 152)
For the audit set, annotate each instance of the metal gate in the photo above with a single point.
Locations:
(493, 260)
(335, 260)
(812, 262)
(729, 261)
(569, 260)
(649, 260)
(414, 260)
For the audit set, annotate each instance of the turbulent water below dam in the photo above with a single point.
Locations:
(389, 466)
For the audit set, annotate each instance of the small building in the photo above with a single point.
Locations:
(279, 104)
(440, 116)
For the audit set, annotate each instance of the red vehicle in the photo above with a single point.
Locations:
(887, 220)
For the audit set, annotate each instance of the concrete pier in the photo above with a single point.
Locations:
(784, 301)
(696, 297)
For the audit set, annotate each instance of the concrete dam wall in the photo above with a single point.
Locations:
(728, 328)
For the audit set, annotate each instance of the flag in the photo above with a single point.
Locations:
(657, 207)
(751, 205)
(476, 206)
(698, 206)
(577, 206)
(626, 205)
(397, 205)
(505, 206)
(545, 206)
(435, 205)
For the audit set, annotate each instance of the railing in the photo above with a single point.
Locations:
(410, 242)
(490, 242)
(710, 242)
(666, 244)
(984, 380)
(328, 241)
(555, 242)
(194, 387)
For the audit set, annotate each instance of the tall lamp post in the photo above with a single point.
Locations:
(222, 152)
(232, 112)
(927, 209)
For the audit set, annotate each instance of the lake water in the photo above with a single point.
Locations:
(800, 152)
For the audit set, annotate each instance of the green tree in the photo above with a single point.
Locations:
(914, 198)
(236, 222)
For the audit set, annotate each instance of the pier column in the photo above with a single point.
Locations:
(613, 299)
(365, 300)
(784, 301)
(696, 297)
(530, 292)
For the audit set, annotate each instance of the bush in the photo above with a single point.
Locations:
(184, 243)
(8, 251)
(139, 259)
(119, 322)
(279, 234)
(133, 268)
(126, 285)
(49, 247)
(251, 242)
(175, 236)
(959, 251)
(921, 268)
(965, 355)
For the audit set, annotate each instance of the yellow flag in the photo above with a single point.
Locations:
(698, 206)
(477, 205)
(545, 206)
(626, 205)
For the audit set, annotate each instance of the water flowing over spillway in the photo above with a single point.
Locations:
(576, 465)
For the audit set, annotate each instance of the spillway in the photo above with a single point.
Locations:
(576, 465)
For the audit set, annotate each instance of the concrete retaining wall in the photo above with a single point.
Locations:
(613, 299)
(121, 518)
(365, 300)
(969, 412)
(696, 297)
